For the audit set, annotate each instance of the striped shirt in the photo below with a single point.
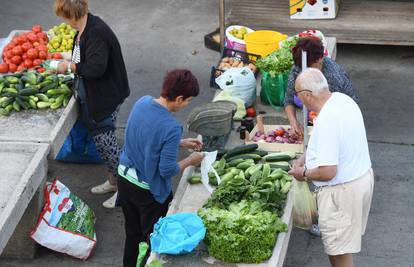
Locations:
(76, 54)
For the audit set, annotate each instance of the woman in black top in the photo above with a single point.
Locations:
(97, 60)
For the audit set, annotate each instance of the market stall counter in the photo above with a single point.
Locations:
(28, 138)
(190, 198)
(23, 176)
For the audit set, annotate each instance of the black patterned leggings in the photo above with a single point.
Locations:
(107, 146)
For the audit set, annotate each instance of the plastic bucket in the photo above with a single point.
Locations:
(263, 42)
(235, 43)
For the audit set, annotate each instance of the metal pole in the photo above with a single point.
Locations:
(222, 23)
(305, 110)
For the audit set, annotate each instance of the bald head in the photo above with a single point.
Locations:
(313, 80)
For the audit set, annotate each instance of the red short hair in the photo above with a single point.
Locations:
(314, 48)
(179, 82)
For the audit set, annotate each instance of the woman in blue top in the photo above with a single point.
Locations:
(148, 160)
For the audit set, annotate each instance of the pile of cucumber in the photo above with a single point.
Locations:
(249, 162)
(32, 90)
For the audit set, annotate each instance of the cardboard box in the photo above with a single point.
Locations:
(276, 147)
(314, 9)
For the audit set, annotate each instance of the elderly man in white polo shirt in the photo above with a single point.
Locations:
(337, 161)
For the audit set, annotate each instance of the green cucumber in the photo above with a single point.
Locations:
(194, 179)
(243, 149)
(284, 165)
(266, 170)
(235, 162)
(28, 92)
(42, 104)
(255, 157)
(42, 97)
(280, 156)
(243, 165)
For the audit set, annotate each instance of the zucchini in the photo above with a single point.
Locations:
(7, 102)
(42, 97)
(66, 102)
(243, 165)
(54, 92)
(42, 104)
(16, 106)
(56, 105)
(255, 157)
(243, 149)
(285, 188)
(255, 169)
(259, 152)
(235, 162)
(284, 165)
(194, 179)
(10, 90)
(4, 112)
(22, 103)
(266, 170)
(9, 107)
(12, 79)
(32, 104)
(27, 91)
(280, 156)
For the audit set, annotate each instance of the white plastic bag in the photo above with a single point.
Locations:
(66, 223)
(240, 82)
(304, 205)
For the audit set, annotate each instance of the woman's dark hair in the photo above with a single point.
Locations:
(179, 82)
(314, 48)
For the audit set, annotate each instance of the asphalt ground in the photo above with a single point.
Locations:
(157, 36)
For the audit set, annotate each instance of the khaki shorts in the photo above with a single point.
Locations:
(343, 214)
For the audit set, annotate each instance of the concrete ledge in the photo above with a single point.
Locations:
(23, 171)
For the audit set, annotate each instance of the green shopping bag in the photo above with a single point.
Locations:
(273, 89)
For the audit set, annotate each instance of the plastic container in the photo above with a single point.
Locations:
(235, 43)
(263, 42)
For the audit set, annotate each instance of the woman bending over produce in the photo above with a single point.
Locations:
(148, 160)
(336, 76)
(103, 83)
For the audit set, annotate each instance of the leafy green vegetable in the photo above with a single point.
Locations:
(278, 62)
(241, 233)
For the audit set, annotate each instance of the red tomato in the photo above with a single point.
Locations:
(9, 54)
(17, 50)
(26, 46)
(279, 132)
(42, 36)
(43, 54)
(32, 53)
(7, 61)
(12, 67)
(36, 28)
(37, 62)
(42, 47)
(16, 60)
(23, 37)
(24, 56)
(41, 70)
(21, 68)
(251, 112)
(57, 56)
(32, 37)
(15, 42)
(28, 63)
(4, 68)
(36, 44)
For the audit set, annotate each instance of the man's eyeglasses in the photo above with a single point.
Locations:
(304, 90)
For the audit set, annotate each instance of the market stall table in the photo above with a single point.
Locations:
(190, 198)
(24, 170)
(23, 175)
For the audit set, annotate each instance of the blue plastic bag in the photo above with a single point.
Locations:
(177, 234)
(79, 147)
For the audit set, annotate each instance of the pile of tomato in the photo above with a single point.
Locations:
(27, 50)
